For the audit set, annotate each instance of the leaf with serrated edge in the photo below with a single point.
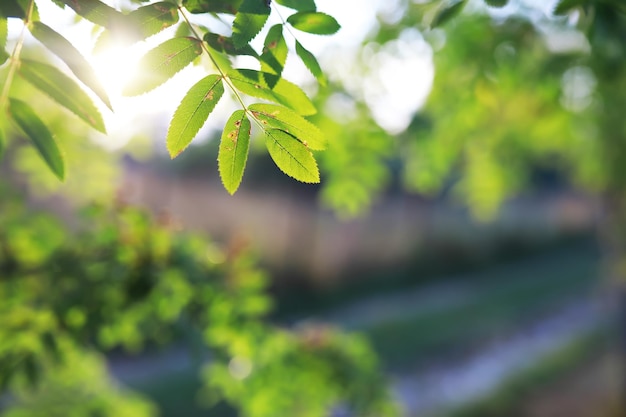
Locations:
(193, 112)
(299, 5)
(249, 21)
(96, 12)
(291, 156)
(311, 63)
(72, 58)
(284, 92)
(314, 22)
(63, 90)
(39, 134)
(282, 118)
(233, 152)
(162, 63)
(274, 55)
(225, 44)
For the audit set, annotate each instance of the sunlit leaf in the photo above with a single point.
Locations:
(39, 134)
(63, 90)
(193, 112)
(284, 92)
(225, 44)
(249, 21)
(233, 151)
(162, 63)
(314, 22)
(311, 63)
(3, 40)
(446, 13)
(140, 24)
(274, 53)
(299, 5)
(291, 156)
(72, 58)
(282, 118)
(11, 8)
(212, 6)
(97, 12)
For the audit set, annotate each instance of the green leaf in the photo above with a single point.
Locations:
(249, 21)
(496, 3)
(311, 63)
(3, 40)
(225, 45)
(212, 6)
(274, 53)
(140, 24)
(282, 118)
(72, 58)
(233, 152)
(314, 22)
(11, 8)
(565, 6)
(63, 90)
(284, 92)
(97, 12)
(299, 5)
(446, 13)
(291, 156)
(39, 134)
(162, 63)
(193, 112)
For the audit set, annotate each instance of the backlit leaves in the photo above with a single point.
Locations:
(193, 112)
(63, 90)
(212, 6)
(274, 53)
(284, 92)
(225, 45)
(233, 152)
(291, 156)
(72, 58)
(282, 118)
(39, 134)
(311, 63)
(97, 12)
(314, 22)
(249, 21)
(162, 63)
(299, 5)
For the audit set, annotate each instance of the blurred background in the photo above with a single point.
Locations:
(462, 256)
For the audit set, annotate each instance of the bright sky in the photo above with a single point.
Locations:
(396, 84)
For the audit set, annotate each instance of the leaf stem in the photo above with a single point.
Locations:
(15, 58)
(222, 73)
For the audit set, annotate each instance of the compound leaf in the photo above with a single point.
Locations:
(233, 152)
(282, 118)
(63, 90)
(291, 156)
(39, 134)
(72, 58)
(193, 112)
(162, 63)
